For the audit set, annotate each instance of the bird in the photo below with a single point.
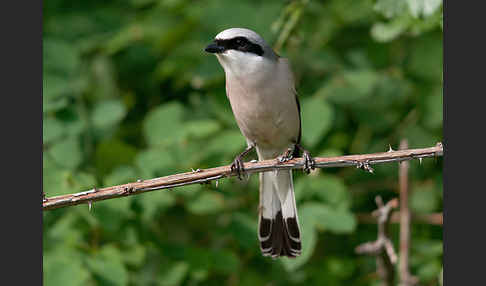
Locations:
(261, 91)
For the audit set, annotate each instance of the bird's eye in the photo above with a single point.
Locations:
(240, 42)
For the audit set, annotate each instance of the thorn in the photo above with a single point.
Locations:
(253, 161)
(139, 180)
(420, 160)
(217, 183)
(390, 149)
(196, 171)
(89, 205)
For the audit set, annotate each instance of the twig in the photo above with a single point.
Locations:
(406, 279)
(205, 176)
(382, 248)
(431, 218)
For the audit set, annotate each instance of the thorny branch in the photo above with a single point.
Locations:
(363, 161)
(382, 247)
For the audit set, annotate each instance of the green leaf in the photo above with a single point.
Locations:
(174, 275)
(229, 143)
(201, 128)
(433, 110)
(61, 268)
(339, 267)
(52, 177)
(391, 8)
(200, 261)
(164, 124)
(64, 232)
(207, 203)
(224, 261)
(244, 229)
(120, 175)
(74, 123)
(419, 136)
(335, 220)
(317, 117)
(331, 190)
(115, 209)
(104, 84)
(351, 11)
(112, 153)
(52, 129)
(428, 248)
(82, 181)
(55, 90)
(135, 255)
(423, 7)
(67, 152)
(155, 202)
(108, 267)
(424, 199)
(60, 57)
(386, 32)
(50, 104)
(429, 270)
(349, 86)
(155, 161)
(328, 189)
(57, 180)
(108, 113)
(426, 57)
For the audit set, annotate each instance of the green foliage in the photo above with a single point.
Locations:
(128, 93)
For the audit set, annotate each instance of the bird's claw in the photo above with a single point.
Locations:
(237, 167)
(309, 163)
(288, 155)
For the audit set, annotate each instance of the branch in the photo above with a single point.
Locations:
(406, 279)
(432, 218)
(382, 247)
(205, 176)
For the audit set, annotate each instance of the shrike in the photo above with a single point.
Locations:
(260, 88)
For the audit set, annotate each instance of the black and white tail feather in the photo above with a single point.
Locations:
(278, 224)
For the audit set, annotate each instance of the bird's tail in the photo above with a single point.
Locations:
(278, 224)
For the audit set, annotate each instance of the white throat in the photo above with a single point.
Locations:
(244, 66)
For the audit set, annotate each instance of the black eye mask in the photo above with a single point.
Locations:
(238, 43)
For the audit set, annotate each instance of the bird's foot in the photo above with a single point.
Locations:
(309, 163)
(237, 165)
(288, 155)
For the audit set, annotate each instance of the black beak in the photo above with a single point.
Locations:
(214, 48)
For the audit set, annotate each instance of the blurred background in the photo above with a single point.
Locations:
(128, 94)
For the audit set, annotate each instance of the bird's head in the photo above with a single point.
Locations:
(241, 50)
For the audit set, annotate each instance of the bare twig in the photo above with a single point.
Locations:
(382, 248)
(205, 176)
(431, 218)
(406, 279)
